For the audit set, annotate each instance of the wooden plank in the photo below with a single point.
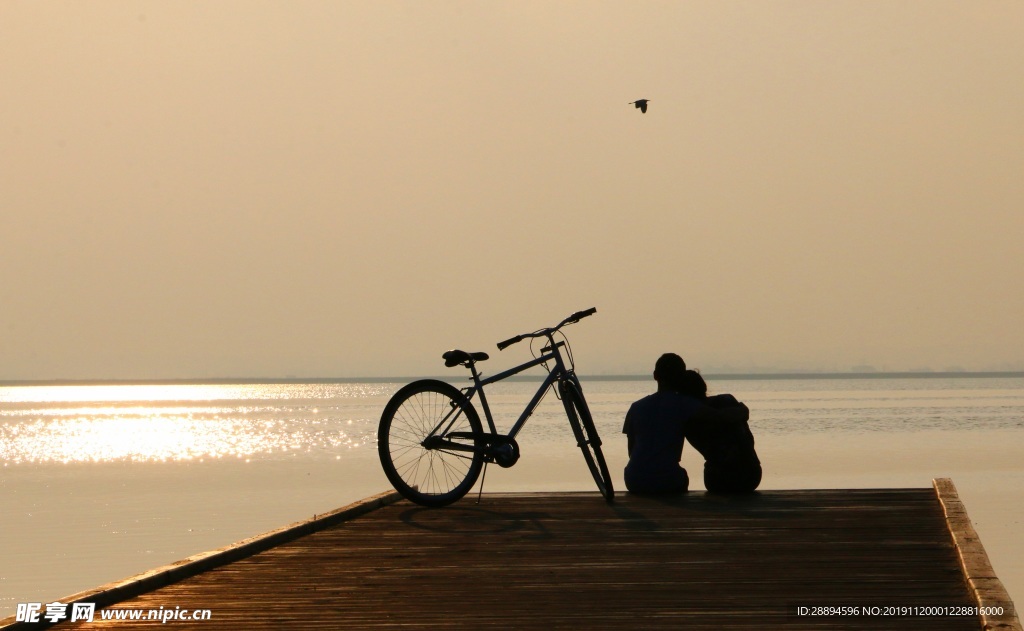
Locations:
(985, 587)
(571, 561)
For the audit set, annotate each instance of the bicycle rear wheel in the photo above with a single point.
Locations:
(438, 471)
(586, 437)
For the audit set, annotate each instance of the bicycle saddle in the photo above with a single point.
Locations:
(454, 358)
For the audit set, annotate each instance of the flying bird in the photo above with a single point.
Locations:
(641, 105)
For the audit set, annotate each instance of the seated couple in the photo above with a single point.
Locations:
(716, 426)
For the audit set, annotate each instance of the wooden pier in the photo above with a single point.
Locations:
(571, 561)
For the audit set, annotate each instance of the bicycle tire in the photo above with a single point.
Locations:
(587, 439)
(429, 477)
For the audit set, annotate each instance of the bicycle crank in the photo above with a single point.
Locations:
(505, 452)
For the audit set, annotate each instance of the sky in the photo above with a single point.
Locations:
(342, 189)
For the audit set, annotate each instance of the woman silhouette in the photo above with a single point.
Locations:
(730, 463)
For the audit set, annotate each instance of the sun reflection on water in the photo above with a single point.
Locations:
(185, 422)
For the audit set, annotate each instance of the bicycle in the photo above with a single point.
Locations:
(431, 441)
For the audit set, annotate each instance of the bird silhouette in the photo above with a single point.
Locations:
(641, 104)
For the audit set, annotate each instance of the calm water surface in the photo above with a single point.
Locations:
(159, 423)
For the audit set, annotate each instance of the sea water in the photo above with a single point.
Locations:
(187, 422)
(98, 482)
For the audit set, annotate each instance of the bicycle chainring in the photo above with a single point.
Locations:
(505, 453)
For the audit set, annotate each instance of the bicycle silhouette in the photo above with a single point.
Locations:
(432, 444)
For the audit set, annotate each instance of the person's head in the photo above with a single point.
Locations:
(669, 371)
(693, 384)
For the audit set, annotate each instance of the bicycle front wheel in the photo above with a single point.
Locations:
(586, 437)
(421, 458)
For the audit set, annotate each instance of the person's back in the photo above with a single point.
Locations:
(721, 434)
(656, 426)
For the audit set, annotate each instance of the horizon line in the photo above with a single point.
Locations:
(911, 374)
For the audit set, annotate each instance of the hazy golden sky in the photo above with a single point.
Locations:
(203, 189)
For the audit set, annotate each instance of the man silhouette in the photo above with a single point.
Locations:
(655, 428)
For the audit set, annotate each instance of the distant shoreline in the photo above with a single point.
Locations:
(645, 377)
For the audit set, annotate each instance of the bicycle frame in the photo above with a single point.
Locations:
(557, 374)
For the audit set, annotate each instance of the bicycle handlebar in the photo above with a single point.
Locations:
(574, 318)
(579, 315)
(509, 342)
